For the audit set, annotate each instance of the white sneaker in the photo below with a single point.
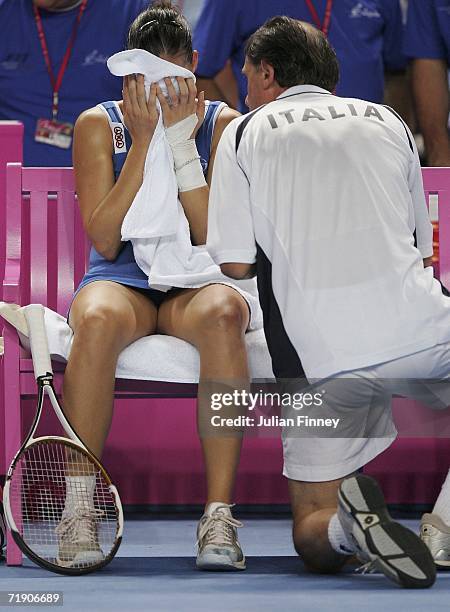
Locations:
(78, 538)
(382, 543)
(218, 546)
(436, 535)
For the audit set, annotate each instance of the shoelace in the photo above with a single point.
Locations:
(367, 568)
(219, 528)
(80, 525)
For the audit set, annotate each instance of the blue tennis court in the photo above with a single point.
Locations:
(155, 570)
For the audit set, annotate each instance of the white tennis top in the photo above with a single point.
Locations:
(328, 191)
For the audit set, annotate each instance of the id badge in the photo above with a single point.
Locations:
(54, 133)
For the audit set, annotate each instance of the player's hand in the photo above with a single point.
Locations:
(140, 116)
(182, 105)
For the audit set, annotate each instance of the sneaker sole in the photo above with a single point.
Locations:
(216, 563)
(442, 564)
(82, 559)
(396, 551)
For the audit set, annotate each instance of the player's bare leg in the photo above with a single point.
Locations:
(214, 319)
(105, 318)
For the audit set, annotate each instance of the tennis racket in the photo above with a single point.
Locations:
(62, 509)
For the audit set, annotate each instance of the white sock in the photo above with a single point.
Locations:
(79, 491)
(442, 505)
(213, 506)
(337, 538)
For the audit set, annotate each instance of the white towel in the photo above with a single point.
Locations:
(156, 223)
(155, 209)
(158, 358)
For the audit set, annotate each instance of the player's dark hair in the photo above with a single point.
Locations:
(299, 53)
(161, 29)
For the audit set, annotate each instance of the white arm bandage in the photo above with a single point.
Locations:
(187, 160)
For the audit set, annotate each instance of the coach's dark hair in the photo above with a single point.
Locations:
(299, 53)
(161, 29)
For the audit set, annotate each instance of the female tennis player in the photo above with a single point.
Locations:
(114, 306)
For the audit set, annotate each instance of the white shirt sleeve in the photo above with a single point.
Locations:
(231, 236)
(424, 227)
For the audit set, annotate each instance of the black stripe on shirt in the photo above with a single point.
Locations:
(243, 125)
(403, 123)
(286, 363)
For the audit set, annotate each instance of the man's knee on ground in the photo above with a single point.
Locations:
(309, 544)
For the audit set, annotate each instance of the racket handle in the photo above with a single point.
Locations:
(34, 314)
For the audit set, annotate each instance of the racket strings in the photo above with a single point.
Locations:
(62, 505)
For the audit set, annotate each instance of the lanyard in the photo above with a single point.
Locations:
(56, 83)
(325, 26)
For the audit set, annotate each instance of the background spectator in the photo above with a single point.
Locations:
(191, 9)
(367, 36)
(225, 79)
(427, 41)
(26, 92)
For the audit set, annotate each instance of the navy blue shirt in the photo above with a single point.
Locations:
(25, 89)
(366, 34)
(428, 29)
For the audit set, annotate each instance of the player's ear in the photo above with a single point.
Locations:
(268, 74)
(194, 61)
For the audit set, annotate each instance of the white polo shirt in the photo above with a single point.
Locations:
(325, 194)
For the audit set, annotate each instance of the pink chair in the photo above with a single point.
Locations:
(413, 469)
(436, 182)
(11, 150)
(46, 259)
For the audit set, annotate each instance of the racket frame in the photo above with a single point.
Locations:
(45, 387)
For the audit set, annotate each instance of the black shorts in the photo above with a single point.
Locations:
(155, 296)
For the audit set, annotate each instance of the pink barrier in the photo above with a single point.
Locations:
(153, 451)
(11, 150)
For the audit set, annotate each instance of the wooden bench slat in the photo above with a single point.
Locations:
(38, 214)
(66, 250)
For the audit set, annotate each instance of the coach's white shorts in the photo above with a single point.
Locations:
(362, 401)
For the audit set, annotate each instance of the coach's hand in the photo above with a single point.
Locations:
(180, 106)
(140, 116)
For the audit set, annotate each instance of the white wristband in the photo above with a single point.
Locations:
(188, 168)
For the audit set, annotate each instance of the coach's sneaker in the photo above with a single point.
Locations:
(382, 543)
(218, 546)
(78, 538)
(436, 535)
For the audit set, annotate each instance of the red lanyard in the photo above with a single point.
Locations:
(56, 83)
(325, 26)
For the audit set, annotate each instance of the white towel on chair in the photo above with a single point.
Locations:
(157, 358)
